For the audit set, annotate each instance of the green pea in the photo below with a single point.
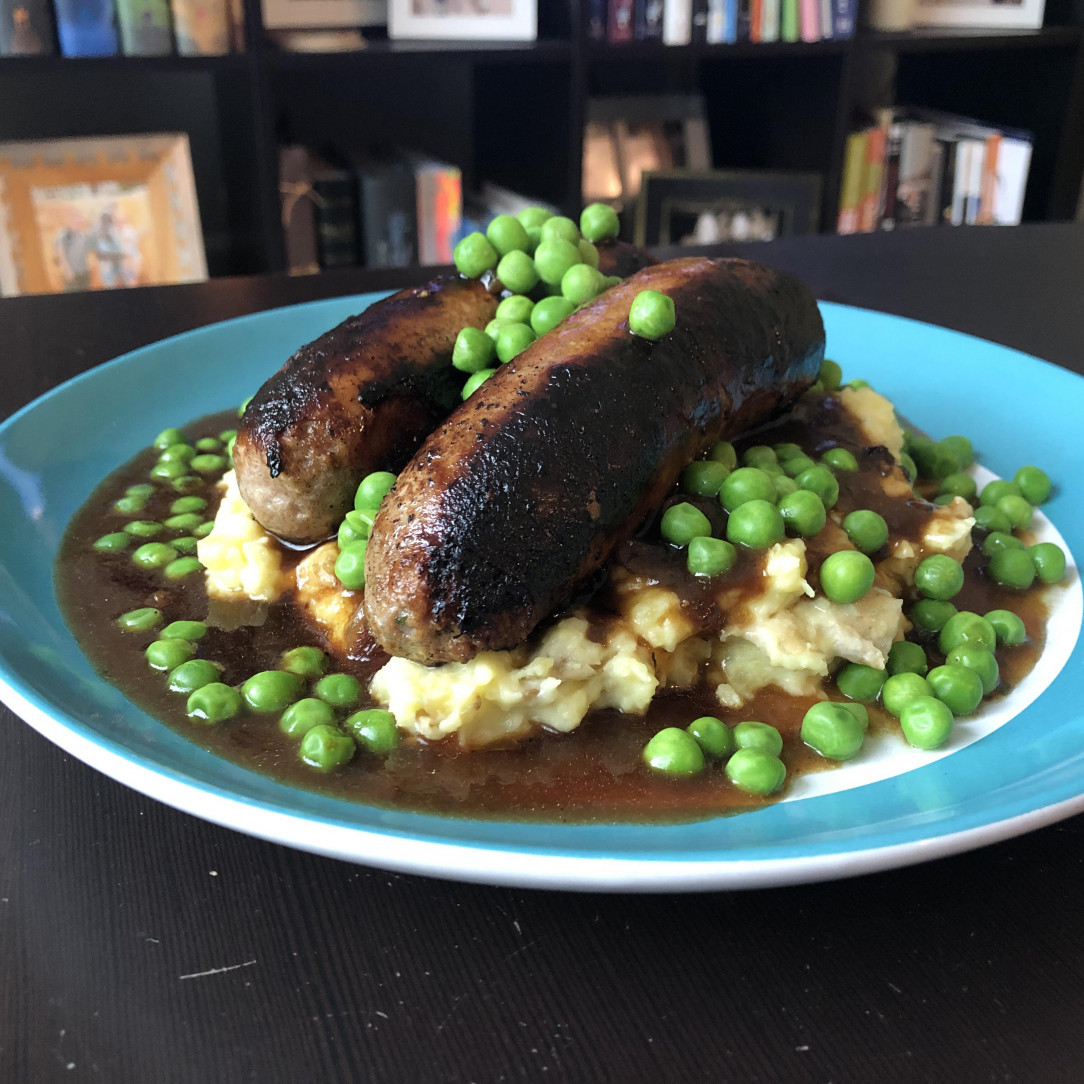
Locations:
(559, 226)
(129, 506)
(675, 752)
(589, 255)
(758, 456)
(683, 522)
(1012, 568)
(722, 451)
(840, 459)
(339, 690)
(966, 627)
(168, 437)
(1016, 509)
(756, 525)
(374, 730)
(140, 489)
(549, 312)
(860, 682)
(186, 483)
(959, 484)
(961, 447)
(710, 556)
(905, 657)
(553, 257)
(517, 271)
(753, 735)
(956, 686)
(907, 465)
(301, 716)
(142, 620)
(712, 735)
(185, 521)
(993, 491)
(1049, 561)
(785, 486)
(831, 375)
(939, 576)
(184, 630)
(182, 567)
(473, 350)
(192, 675)
(142, 528)
(506, 234)
(943, 499)
(474, 382)
(184, 505)
(990, 518)
(755, 771)
(513, 339)
(931, 614)
(474, 256)
(208, 444)
(1008, 627)
(177, 453)
(355, 527)
(652, 314)
(533, 216)
(113, 542)
(821, 481)
(209, 464)
(227, 435)
(373, 489)
(153, 555)
(787, 450)
(244, 406)
(934, 459)
(981, 661)
(899, 689)
(846, 576)
(516, 308)
(856, 384)
(204, 529)
(1034, 484)
(350, 566)
(271, 690)
(306, 662)
(704, 477)
(832, 730)
(167, 470)
(599, 221)
(326, 747)
(169, 654)
(214, 703)
(582, 283)
(803, 513)
(746, 484)
(926, 722)
(999, 540)
(867, 530)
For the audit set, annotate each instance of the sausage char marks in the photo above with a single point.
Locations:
(513, 504)
(359, 398)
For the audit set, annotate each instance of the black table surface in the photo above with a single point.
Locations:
(138, 943)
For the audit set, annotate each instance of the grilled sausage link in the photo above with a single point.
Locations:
(359, 398)
(522, 494)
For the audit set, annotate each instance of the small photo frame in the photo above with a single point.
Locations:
(98, 214)
(481, 20)
(688, 208)
(981, 14)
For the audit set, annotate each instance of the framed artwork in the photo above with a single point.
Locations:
(316, 14)
(98, 214)
(500, 20)
(1008, 14)
(686, 207)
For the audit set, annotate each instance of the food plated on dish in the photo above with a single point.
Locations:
(655, 565)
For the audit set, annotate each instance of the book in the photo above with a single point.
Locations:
(844, 14)
(916, 196)
(869, 208)
(699, 22)
(967, 181)
(596, 20)
(438, 209)
(620, 23)
(756, 8)
(201, 27)
(770, 16)
(1013, 162)
(677, 22)
(27, 28)
(716, 32)
(853, 182)
(335, 190)
(788, 21)
(809, 24)
(893, 141)
(946, 174)
(988, 183)
(648, 18)
(387, 210)
(298, 209)
(743, 20)
(824, 18)
(86, 28)
(145, 27)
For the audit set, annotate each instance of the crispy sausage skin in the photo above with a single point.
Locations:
(359, 398)
(521, 495)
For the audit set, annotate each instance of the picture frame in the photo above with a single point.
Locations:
(688, 207)
(481, 20)
(98, 213)
(323, 14)
(980, 14)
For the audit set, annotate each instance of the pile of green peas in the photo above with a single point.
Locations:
(315, 707)
(183, 465)
(353, 536)
(749, 752)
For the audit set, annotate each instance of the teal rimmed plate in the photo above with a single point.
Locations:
(1018, 776)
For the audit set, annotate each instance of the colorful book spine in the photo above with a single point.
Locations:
(620, 26)
(596, 20)
(850, 194)
(809, 22)
(336, 216)
(893, 141)
(770, 17)
(86, 28)
(843, 18)
(145, 27)
(743, 20)
(648, 20)
(756, 13)
(988, 185)
(26, 28)
(677, 22)
(869, 210)
(202, 27)
(699, 22)
(824, 16)
(788, 21)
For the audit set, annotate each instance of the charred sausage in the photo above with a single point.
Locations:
(520, 496)
(359, 398)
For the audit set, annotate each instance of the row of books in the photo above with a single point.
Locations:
(685, 22)
(924, 168)
(378, 209)
(79, 28)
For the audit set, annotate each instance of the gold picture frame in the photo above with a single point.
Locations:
(98, 213)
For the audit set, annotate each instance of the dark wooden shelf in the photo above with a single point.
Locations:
(383, 49)
(74, 65)
(937, 39)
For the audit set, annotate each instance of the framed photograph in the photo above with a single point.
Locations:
(1008, 14)
(321, 14)
(685, 207)
(495, 20)
(98, 214)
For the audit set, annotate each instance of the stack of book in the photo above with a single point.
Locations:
(120, 27)
(388, 209)
(720, 22)
(924, 168)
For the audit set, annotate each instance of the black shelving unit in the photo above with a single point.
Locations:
(513, 112)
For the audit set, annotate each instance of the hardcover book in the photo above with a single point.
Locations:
(202, 27)
(145, 27)
(85, 28)
(26, 28)
(620, 26)
(843, 18)
(788, 21)
(335, 189)
(850, 195)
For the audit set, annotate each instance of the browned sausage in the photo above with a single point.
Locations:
(520, 496)
(359, 398)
